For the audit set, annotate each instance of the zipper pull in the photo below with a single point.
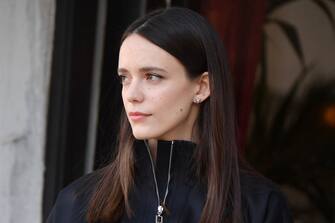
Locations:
(159, 217)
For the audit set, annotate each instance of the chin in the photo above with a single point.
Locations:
(139, 137)
(142, 135)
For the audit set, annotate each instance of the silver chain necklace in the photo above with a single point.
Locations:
(161, 206)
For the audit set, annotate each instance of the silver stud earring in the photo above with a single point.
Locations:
(196, 100)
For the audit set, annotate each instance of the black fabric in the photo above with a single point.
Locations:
(262, 201)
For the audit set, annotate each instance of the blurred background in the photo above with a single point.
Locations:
(60, 98)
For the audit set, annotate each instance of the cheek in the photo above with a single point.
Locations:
(171, 104)
(123, 99)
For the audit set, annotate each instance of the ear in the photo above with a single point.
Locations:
(203, 88)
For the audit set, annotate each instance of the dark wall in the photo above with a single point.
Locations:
(70, 89)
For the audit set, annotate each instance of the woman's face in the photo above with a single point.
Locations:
(155, 83)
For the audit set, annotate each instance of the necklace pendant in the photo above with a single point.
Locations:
(159, 219)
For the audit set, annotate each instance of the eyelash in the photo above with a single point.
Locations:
(121, 78)
(148, 75)
(154, 75)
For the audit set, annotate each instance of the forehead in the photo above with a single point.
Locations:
(137, 52)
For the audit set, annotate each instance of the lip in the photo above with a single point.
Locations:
(137, 116)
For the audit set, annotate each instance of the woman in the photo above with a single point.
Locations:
(177, 159)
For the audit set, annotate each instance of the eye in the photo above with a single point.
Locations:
(151, 76)
(122, 78)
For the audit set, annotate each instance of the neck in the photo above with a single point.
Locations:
(153, 148)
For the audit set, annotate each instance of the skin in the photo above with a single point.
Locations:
(156, 83)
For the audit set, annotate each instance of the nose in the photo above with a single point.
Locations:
(133, 92)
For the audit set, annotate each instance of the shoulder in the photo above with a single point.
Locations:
(72, 201)
(263, 201)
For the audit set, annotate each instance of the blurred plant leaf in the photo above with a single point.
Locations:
(275, 4)
(260, 92)
(325, 8)
(277, 131)
(292, 34)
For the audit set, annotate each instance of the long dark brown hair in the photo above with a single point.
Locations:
(188, 37)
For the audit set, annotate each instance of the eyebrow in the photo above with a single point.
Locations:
(142, 69)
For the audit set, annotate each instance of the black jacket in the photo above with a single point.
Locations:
(262, 201)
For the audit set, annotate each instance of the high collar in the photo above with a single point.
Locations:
(177, 143)
(181, 148)
(182, 163)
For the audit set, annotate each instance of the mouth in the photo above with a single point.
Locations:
(138, 116)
